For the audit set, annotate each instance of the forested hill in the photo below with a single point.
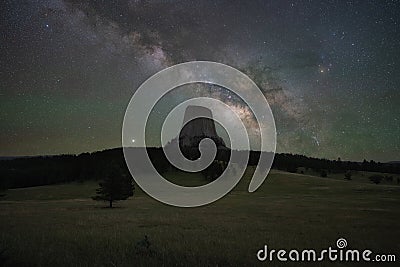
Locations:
(42, 170)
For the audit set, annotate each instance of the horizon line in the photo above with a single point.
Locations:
(8, 157)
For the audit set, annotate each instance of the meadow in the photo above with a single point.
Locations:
(60, 225)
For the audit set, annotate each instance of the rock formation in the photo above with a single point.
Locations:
(194, 130)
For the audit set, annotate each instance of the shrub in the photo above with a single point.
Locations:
(389, 178)
(347, 175)
(292, 168)
(376, 179)
(144, 247)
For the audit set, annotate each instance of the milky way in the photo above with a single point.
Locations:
(329, 69)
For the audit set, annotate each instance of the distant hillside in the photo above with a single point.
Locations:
(23, 157)
(17, 157)
(7, 158)
(42, 170)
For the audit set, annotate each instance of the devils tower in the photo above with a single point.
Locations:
(197, 125)
(194, 130)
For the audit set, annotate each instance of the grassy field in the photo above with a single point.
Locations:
(357, 176)
(60, 225)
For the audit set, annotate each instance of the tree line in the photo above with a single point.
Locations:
(44, 170)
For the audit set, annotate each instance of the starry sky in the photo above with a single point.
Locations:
(329, 69)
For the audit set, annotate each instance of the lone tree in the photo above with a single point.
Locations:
(117, 185)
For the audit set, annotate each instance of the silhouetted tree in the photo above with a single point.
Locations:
(159, 160)
(213, 171)
(376, 179)
(292, 168)
(117, 185)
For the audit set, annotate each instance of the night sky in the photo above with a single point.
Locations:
(329, 69)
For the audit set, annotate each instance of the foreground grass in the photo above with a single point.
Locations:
(61, 226)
